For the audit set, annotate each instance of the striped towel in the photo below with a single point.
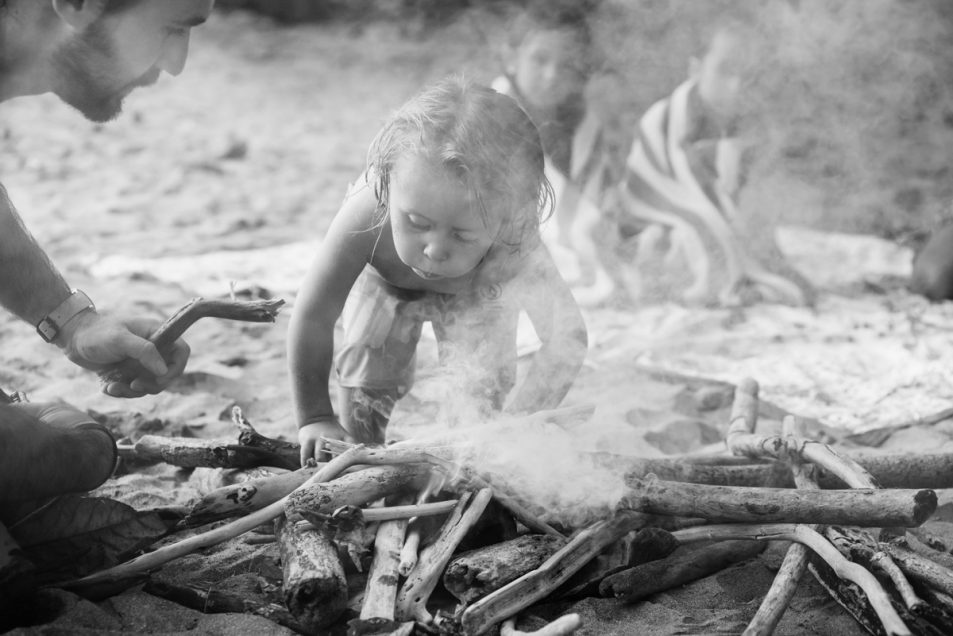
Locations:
(689, 188)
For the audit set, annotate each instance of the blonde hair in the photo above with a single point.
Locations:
(479, 136)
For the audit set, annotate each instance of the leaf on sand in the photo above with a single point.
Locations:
(77, 535)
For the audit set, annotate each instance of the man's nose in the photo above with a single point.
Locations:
(174, 54)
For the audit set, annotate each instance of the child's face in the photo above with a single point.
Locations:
(548, 67)
(438, 229)
(723, 73)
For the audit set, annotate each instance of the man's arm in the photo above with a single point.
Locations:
(31, 288)
(30, 285)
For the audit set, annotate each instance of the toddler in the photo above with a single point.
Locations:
(443, 227)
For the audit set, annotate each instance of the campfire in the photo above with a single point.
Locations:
(419, 537)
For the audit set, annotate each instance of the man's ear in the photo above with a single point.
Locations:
(79, 14)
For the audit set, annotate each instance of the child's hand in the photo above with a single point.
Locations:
(309, 437)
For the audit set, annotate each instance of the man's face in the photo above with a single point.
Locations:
(96, 68)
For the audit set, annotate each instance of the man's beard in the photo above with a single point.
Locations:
(85, 72)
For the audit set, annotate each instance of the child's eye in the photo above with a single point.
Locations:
(416, 222)
(465, 237)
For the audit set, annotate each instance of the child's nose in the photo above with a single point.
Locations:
(435, 251)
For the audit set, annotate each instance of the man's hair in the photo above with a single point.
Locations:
(478, 135)
(552, 15)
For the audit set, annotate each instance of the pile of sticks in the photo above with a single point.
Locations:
(412, 521)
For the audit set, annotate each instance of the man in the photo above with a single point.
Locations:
(90, 53)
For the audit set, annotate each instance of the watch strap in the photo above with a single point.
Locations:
(76, 303)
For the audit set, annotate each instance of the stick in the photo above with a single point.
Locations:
(381, 590)
(316, 501)
(476, 573)
(411, 548)
(246, 497)
(856, 507)
(562, 626)
(161, 556)
(529, 588)
(314, 586)
(863, 549)
(741, 441)
(248, 436)
(191, 452)
(790, 532)
(212, 601)
(785, 583)
(173, 328)
(641, 581)
(414, 594)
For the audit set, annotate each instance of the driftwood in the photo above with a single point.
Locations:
(173, 328)
(683, 567)
(636, 548)
(413, 595)
(191, 452)
(462, 479)
(796, 559)
(529, 588)
(381, 591)
(879, 599)
(476, 573)
(317, 501)
(208, 599)
(134, 569)
(562, 626)
(780, 505)
(898, 470)
(246, 497)
(313, 582)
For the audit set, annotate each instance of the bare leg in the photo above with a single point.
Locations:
(365, 413)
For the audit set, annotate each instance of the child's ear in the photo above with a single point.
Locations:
(79, 14)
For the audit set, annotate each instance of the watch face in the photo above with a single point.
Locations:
(47, 329)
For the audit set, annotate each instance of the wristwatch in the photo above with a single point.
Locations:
(76, 303)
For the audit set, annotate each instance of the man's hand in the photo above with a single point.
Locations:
(309, 437)
(96, 341)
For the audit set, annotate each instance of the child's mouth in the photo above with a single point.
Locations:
(426, 275)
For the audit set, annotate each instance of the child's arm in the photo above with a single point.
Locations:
(558, 323)
(341, 257)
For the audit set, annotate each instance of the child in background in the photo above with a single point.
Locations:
(443, 227)
(686, 167)
(547, 62)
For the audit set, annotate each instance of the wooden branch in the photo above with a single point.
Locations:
(741, 441)
(899, 470)
(636, 583)
(921, 568)
(149, 561)
(380, 593)
(476, 573)
(246, 497)
(844, 569)
(862, 548)
(192, 452)
(317, 501)
(562, 626)
(248, 436)
(529, 588)
(868, 507)
(420, 583)
(173, 328)
(795, 563)
(411, 548)
(403, 453)
(209, 600)
(643, 546)
(314, 586)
